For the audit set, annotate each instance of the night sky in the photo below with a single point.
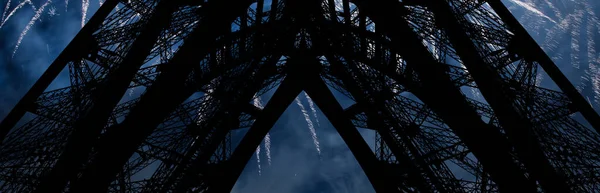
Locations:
(296, 164)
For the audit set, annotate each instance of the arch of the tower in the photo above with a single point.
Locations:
(440, 127)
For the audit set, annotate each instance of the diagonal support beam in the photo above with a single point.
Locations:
(155, 104)
(105, 98)
(495, 90)
(486, 142)
(547, 64)
(55, 68)
(281, 99)
(322, 97)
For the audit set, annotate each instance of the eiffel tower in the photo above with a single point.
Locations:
(409, 66)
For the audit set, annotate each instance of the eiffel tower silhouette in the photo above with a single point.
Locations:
(200, 63)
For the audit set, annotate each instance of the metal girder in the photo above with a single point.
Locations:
(500, 164)
(105, 98)
(54, 69)
(518, 128)
(546, 63)
(415, 47)
(133, 130)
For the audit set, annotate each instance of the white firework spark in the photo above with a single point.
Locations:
(594, 74)
(5, 10)
(576, 26)
(575, 35)
(532, 8)
(268, 147)
(32, 5)
(11, 13)
(258, 159)
(85, 4)
(257, 102)
(311, 127)
(52, 11)
(100, 2)
(311, 104)
(37, 15)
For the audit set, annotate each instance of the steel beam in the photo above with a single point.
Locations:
(484, 141)
(67, 55)
(168, 91)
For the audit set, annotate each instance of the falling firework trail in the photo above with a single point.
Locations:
(268, 147)
(554, 9)
(85, 4)
(580, 41)
(311, 127)
(531, 8)
(591, 51)
(12, 12)
(66, 5)
(5, 10)
(37, 15)
(539, 78)
(595, 79)
(575, 35)
(258, 158)
(32, 5)
(312, 108)
(259, 104)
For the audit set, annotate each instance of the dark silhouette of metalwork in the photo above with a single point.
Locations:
(405, 63)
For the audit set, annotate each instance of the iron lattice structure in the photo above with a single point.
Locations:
(405, 63)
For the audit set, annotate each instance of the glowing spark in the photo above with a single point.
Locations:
(85, 4)
(556, 11)
(311, 127)
(100, 2)
(5, 10)
(312, 108)
(37, 15)
(258, 158)
(538, 79)
(268, 147)
(532, 9)
(595, 79)
(12, 12)
(257, 102)
(32, 5)
(575, 33)
(52, 11)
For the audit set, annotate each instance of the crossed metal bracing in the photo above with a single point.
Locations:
(156, 87)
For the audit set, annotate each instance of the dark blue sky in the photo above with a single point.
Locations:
(296, 165)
